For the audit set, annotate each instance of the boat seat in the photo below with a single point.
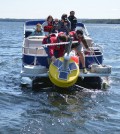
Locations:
(40, 52)
(33, 42)
(28, 32)
(97, 52)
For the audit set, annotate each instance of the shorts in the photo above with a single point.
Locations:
(78, 47)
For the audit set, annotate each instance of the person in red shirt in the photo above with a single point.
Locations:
(78, 36)
(55, 51)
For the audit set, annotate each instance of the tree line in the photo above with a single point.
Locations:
(97, 21)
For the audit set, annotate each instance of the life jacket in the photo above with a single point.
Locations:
(72, 34)
(48, 28)
(58, 40)
(47, 40)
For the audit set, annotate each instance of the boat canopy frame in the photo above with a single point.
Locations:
(32, 23)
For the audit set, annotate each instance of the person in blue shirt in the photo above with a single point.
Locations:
(38, 31)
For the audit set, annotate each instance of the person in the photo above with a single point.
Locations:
(55, 51)
(38, 31)
(56, 25)
(65, 24)
(73, 20)
(48, 25)
(78, 47)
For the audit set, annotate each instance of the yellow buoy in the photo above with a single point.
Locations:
(63, 78)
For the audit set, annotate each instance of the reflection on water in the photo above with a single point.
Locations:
(63, 111)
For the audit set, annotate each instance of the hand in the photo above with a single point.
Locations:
(53, 58)
(91, 51)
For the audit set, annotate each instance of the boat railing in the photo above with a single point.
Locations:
(98, 46)
(43, 51)
(37, 38)
(33, 41)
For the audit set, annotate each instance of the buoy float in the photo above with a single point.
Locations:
(63, 78)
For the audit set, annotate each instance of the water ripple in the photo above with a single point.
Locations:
(84, 111)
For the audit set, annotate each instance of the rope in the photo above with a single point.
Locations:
(95, 56)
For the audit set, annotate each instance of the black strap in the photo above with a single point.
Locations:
(58, 40)
(48, 39)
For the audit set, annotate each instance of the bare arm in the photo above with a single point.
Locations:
(84, 42)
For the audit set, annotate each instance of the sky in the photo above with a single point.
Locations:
(38, 9)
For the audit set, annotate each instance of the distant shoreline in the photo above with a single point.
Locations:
(96, 21)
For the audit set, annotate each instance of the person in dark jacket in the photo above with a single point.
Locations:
(73, 20)
(56, 25)
(65, 24)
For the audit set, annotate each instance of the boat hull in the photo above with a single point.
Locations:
(44, 60)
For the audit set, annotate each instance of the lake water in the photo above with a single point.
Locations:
(82, 112)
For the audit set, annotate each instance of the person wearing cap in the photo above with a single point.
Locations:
(78, 36)
(38, 31)
(55, 51)
(73, 20)
(65, 24)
